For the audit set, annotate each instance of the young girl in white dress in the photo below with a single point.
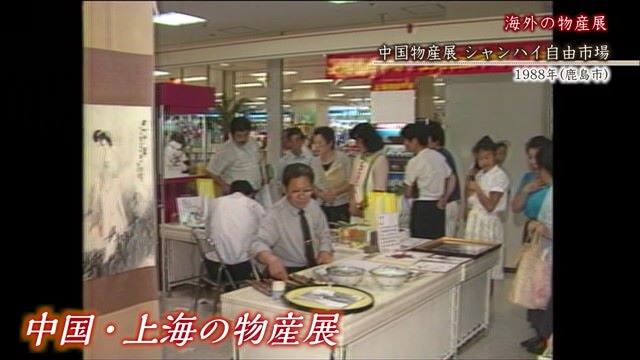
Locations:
(488, 199)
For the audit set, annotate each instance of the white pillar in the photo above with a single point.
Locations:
(274, 110)
(424, 97)
(311, 100)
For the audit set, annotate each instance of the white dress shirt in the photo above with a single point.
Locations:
(232, 226)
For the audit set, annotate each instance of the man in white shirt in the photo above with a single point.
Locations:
(232, 224)
(238, 159)
(429, 181)
(296, 153)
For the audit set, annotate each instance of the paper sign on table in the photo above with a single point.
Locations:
(388, 234)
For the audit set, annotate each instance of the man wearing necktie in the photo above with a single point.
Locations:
(295, 234)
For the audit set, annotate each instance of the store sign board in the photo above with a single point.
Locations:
(185, 99)
(392, 84)
(360, 65)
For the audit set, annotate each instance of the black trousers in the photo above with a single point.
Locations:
(427, 220)
(239, 272)
(337, 213)
(542, 320)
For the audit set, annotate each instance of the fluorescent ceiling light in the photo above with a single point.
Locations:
(254, 103)
(160, 73)
(194, 78)
(260, 98)
(219, 94)
(436, 97)
(249, 85)
(341, 2)
(439, 84)
(224, 64)
(176, 19)
(439, 101)
(336, 95)
(315, 81)
(355, 87)
(286, 105)
(263, 74)
(237, 93)
(356, 99)
(287, 90)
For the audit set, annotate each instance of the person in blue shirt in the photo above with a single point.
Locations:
(542, 320)
(532, 189)
(529, 200)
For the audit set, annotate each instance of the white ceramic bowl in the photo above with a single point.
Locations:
(345, 275)
(390, 276)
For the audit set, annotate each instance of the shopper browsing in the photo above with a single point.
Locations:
(238, 159)
(428, 180)
(332, 169)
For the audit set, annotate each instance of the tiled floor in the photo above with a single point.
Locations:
(501, 341)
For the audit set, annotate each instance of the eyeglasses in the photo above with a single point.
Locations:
(304, 191)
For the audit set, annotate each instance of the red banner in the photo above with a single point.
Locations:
(360, 65)
(392, 84)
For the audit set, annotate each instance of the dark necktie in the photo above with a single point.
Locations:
(308, 246)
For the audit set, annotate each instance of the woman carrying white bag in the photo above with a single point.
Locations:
(532, 286)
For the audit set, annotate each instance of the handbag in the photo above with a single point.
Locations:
(532, 284)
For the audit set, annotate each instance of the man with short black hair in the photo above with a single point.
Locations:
(452, 211)
(297, 152)
(232, 224)
(237, 159)
(295, 234)
(427, 180)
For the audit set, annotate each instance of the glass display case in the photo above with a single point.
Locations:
(186, 135)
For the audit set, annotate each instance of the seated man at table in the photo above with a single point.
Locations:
(295, 234)
(232, 225)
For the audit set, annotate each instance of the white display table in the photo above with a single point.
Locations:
(429, 317)
(180, 256)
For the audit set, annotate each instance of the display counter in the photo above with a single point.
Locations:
(180, 256)
(429, 317)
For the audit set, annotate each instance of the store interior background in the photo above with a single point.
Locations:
(241, 39)
(469, 106)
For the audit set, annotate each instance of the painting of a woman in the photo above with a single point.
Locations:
(107, 215)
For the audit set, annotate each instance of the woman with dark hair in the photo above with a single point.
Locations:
(542, 320)
(542, 150)
(107, 216)
(532, 189)
(370, 168)
(332, 169)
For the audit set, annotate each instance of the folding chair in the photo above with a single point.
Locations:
(218, 283)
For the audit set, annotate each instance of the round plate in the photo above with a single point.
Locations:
(344, 299)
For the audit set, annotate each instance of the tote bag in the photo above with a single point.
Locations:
(532, 284)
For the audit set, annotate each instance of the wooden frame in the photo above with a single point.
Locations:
(458, 247)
